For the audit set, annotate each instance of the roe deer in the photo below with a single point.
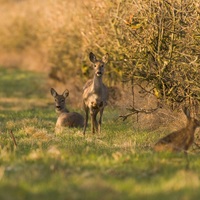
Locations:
(180, 140)
(66, 118)
(95, 94)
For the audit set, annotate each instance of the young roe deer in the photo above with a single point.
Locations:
(95, 94)
(65, 118)
(180, 140)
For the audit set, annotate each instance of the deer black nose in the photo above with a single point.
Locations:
(99, 73)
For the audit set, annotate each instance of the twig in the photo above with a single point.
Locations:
(124, 117)
(13, 137)
(134, 110)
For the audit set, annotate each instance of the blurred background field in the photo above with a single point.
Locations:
(44, 44)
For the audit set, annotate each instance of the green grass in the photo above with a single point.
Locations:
(119, 164)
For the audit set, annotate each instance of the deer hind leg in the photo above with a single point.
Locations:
(95, 122)
(94, 125)
(86, 120)
(100, 120)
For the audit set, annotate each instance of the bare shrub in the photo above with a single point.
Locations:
(165, 54)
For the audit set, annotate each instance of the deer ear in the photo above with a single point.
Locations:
(105, 58)
(92, 57)
(53, 92)
(66, 93)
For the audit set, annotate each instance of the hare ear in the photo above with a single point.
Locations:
(66, 93)
(187, 112)
(105, 58)
(53, 92)
(92, 57)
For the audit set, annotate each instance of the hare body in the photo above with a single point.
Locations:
(95, 94)
(180, 140)
(66, 118)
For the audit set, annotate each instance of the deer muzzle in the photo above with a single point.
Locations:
(99, 73)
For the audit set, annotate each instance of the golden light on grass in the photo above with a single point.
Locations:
(54, 152)
(37, 134)
(35, 155)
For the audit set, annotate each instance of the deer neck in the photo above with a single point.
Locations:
(64, 110)
(97, 85)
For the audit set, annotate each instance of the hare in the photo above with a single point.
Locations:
(180, 140)
(66, 118)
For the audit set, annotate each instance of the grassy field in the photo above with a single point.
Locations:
(119, 164)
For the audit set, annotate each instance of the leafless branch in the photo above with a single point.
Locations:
(134, 110)
(13, 138)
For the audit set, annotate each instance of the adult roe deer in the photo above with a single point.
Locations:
(65, 118)
(180, 140)
(95, 94)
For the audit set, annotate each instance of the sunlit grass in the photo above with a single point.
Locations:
(118, 164)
